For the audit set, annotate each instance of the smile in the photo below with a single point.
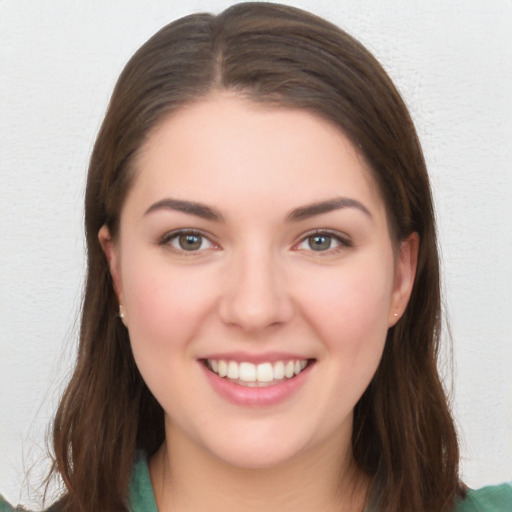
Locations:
(256, 375)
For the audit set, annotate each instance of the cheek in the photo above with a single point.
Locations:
(165, 304)
(349, 313)
(349, 307)
(165, 309)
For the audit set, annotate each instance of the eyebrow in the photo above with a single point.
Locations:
(305, 212)
(190, 207)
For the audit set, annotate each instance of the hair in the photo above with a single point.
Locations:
(403, 434)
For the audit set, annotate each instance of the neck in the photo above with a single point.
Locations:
(185, 478)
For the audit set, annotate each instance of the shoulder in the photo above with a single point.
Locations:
(141, 497)
(495, 498)
(6, 507)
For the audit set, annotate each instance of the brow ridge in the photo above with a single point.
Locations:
(301, 213)
(307, 211)
(189, 207)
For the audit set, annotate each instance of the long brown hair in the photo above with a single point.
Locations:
(403, 435)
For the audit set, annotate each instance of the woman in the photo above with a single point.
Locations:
(261, 315)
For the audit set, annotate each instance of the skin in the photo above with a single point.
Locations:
(256, 286)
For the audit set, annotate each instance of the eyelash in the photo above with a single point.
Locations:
(174, 235)
(343, 241)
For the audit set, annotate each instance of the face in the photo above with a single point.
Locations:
(258, 279)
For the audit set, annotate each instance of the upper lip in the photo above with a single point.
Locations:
(270, 357)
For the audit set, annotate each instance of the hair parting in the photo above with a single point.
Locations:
(281, 57)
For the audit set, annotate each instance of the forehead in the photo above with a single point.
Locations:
(226, 146)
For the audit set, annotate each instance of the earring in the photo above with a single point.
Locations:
(395, 315)
(121, 312)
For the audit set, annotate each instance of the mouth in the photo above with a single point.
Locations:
(260, 375)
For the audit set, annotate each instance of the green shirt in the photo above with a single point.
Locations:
(496, 498)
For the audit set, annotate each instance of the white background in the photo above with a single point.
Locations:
(59, 60)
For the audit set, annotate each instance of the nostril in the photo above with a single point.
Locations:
(253, 311)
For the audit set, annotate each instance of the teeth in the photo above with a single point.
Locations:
(289, 370)
(279, 370)
(233, 370)
(223, 368)
(254, 375)
(265, 372)
(247, 372)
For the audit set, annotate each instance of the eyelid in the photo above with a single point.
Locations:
(165, 240)
(344, 241)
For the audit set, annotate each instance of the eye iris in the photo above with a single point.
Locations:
(320, 242)
(190, 241)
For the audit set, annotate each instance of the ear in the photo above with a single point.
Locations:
(405, 273)
(112, 254)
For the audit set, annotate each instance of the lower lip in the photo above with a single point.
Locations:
(265, 396)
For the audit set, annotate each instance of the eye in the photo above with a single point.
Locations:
(189, 241)
(323, 242)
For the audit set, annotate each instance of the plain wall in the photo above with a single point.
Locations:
(452, 60)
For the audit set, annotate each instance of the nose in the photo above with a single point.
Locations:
(255, 295)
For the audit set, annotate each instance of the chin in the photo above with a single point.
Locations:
(262, 453)
(255, 459)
